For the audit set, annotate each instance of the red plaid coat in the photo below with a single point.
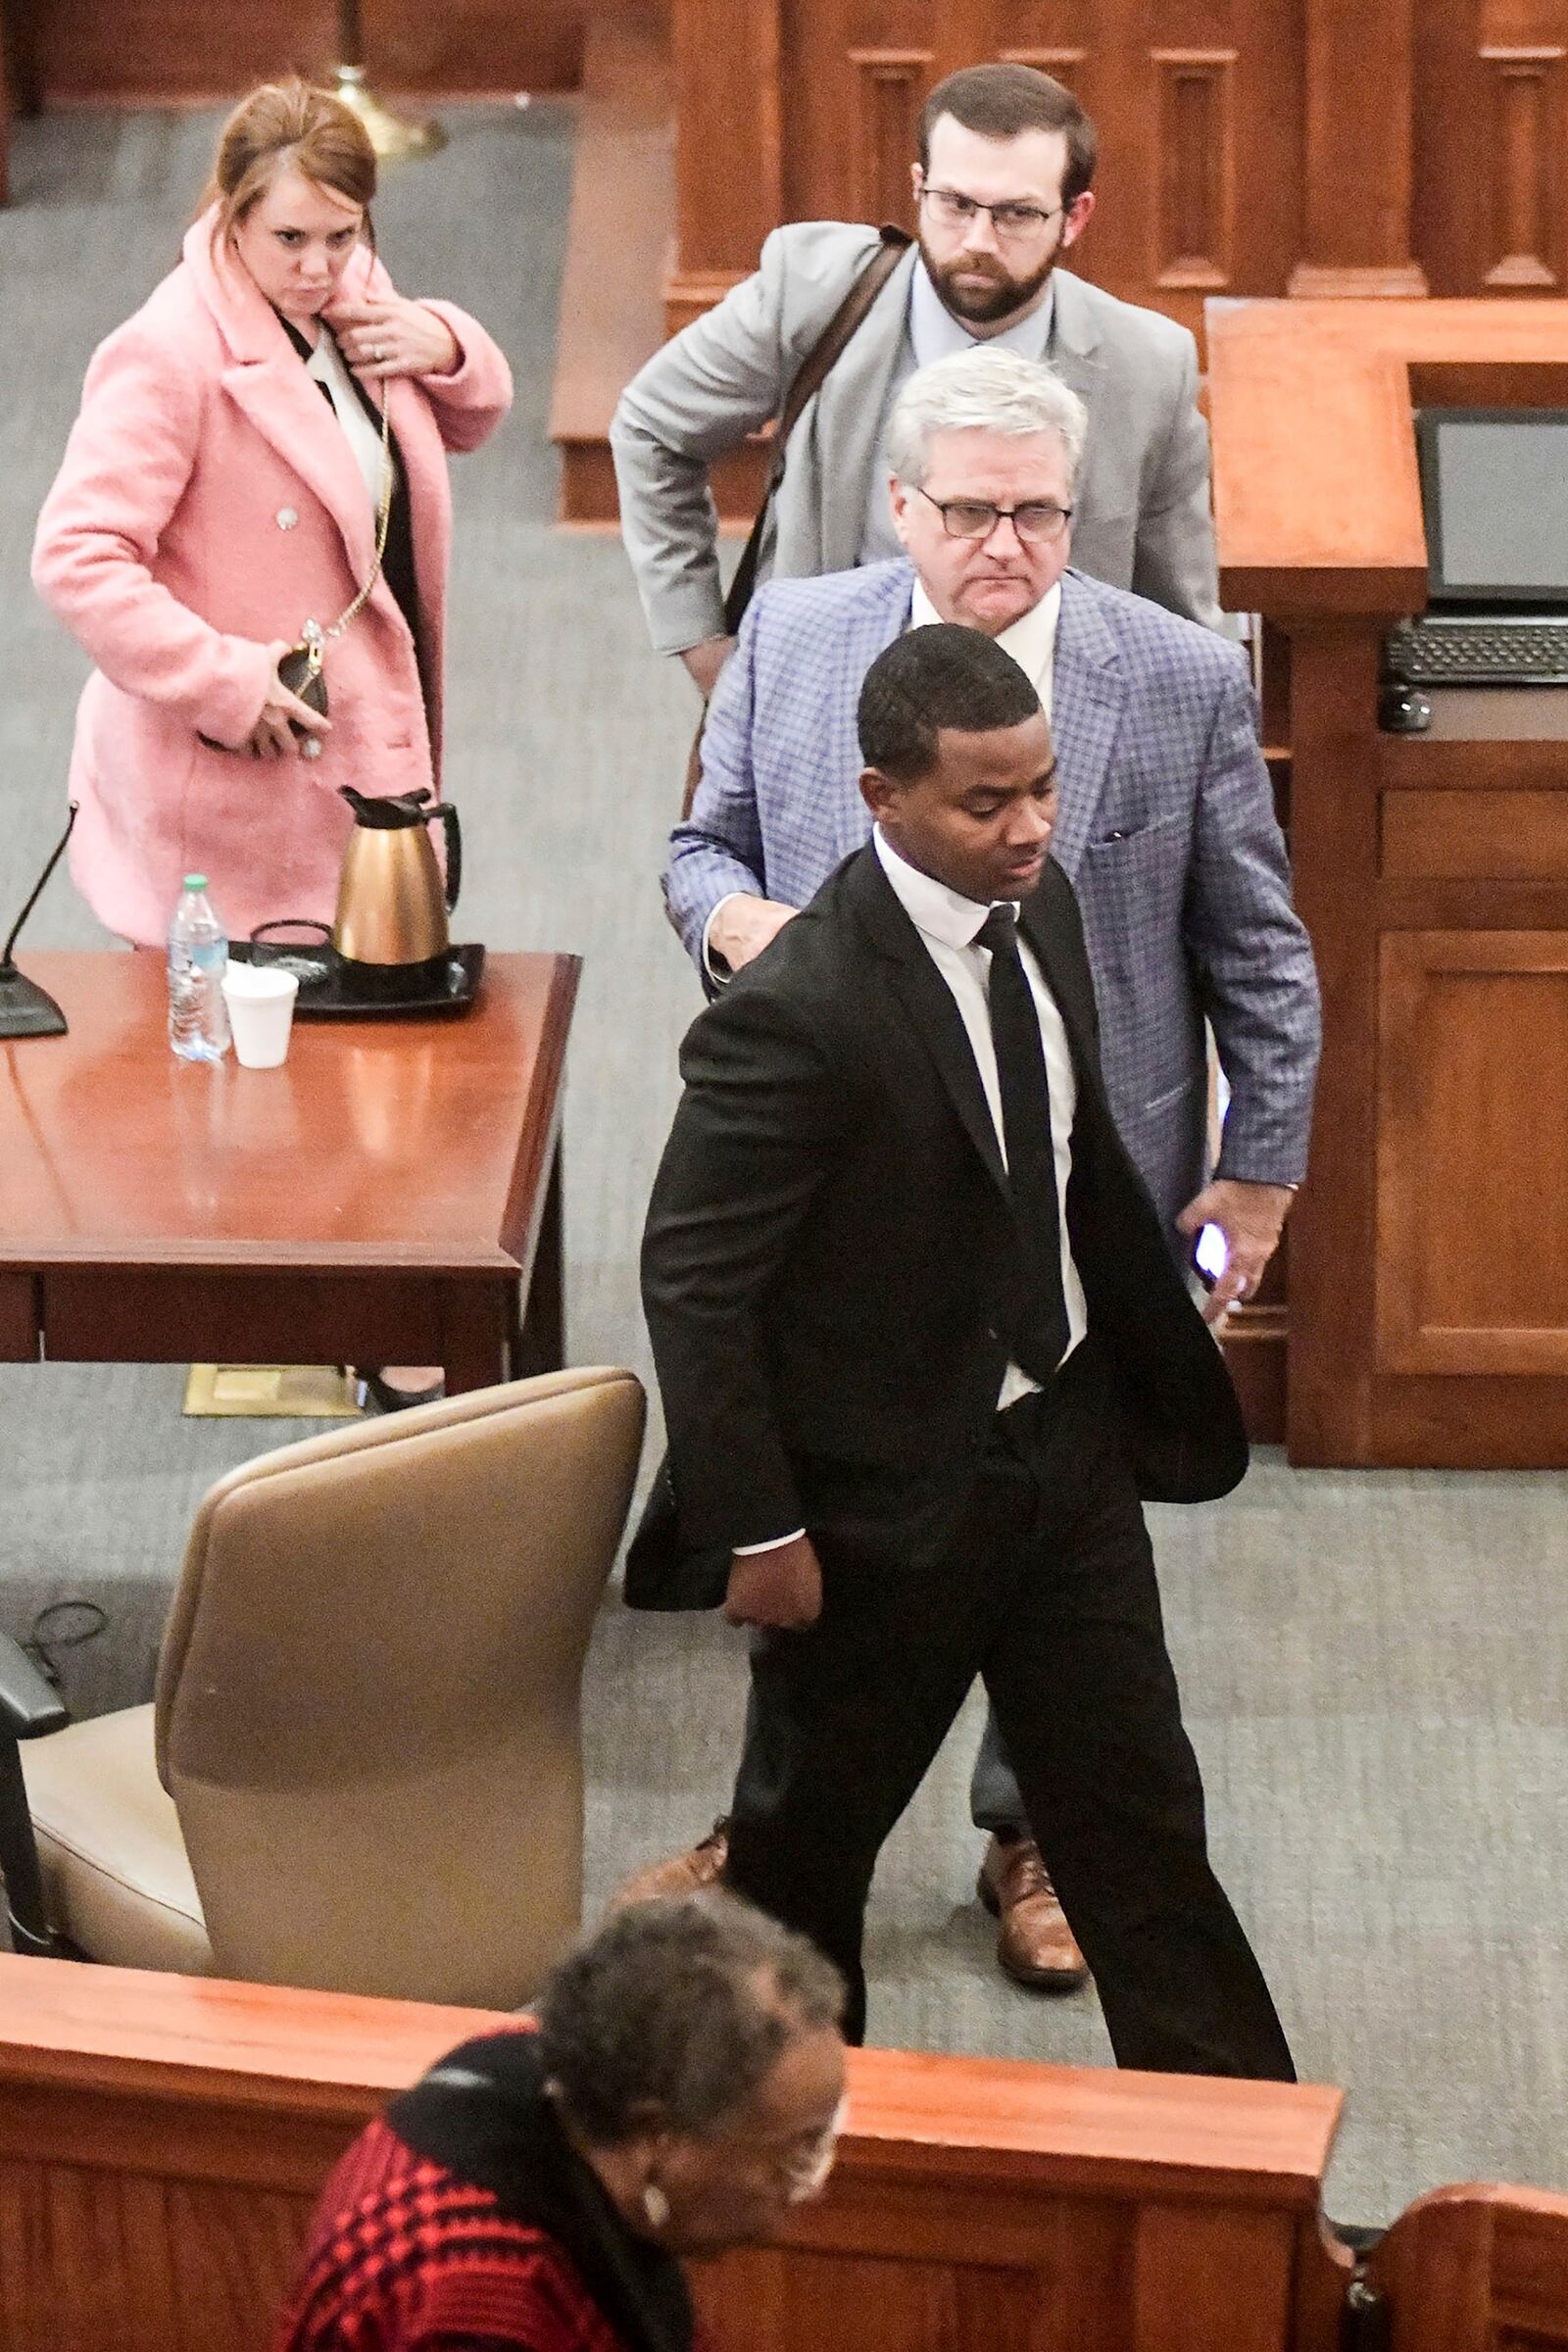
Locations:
(405, 2256)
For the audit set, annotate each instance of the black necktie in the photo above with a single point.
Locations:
(1040, 1340)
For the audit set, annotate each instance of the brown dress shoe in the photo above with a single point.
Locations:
(680, 1874)
(1035, 1945)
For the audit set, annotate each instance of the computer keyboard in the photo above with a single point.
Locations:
(1478, 649)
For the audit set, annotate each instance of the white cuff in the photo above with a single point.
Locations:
(747, 1551)
(713, 965)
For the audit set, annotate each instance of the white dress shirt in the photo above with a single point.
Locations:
(948, 924)
(931, 332)
(1031, 640)
(327, 366)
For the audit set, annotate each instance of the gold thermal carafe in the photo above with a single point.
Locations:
(392, 903)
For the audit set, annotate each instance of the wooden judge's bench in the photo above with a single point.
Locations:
(1428, 1299)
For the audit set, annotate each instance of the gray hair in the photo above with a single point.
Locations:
(987, 391)
(678, 2009)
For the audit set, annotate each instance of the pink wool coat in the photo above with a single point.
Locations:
(209, 504)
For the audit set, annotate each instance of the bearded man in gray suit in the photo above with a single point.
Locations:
(1165, 829)
(1002, 190)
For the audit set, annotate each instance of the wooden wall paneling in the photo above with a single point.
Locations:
(1199, 108)
(855, 75)
(967, 32)
(143, 50)
(1064, 63)
(477, 46)
(1448, 181)
(146, 51)
(1201, 139)
(1196, 217)
(729, 145)
(887, 92)
(1472, 1043)
(1256, 1344)
(1359, 157)
(1118, 87)
(1525, 122)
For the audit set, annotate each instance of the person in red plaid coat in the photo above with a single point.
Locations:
(683, 2089)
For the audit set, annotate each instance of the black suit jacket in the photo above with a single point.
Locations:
(832, 1273)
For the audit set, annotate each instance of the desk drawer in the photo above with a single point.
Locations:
(1478, 836)
(18, 1318)
(173, 1314)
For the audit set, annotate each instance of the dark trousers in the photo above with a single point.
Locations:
(1047, 1592)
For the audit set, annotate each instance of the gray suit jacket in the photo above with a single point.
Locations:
(1166, 828)
(1141, 508)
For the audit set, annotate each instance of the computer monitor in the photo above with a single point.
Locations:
(1494, 491)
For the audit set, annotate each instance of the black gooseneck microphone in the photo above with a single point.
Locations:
(26, 1009)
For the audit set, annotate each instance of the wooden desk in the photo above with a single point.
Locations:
(390, 1195)
(1428, 1313)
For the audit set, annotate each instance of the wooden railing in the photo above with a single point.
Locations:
(163, 2139)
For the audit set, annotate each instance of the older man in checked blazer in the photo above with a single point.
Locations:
(1166, 830)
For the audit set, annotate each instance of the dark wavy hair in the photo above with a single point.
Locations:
(678, 2009)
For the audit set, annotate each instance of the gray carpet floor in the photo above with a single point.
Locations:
(1373, 1664)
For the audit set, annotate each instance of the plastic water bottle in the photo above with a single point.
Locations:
(198, 951)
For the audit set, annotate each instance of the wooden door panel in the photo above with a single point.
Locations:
(855, 75)
(1490, 196)
(1472, 1186)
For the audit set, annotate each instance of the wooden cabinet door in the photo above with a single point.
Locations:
(1472, 1153)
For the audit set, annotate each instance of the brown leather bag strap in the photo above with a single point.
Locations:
(820, 359)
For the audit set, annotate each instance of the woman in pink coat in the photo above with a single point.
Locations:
(220, 492)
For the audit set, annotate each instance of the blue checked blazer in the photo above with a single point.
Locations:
(1166, 831)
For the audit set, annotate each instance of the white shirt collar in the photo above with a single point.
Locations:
(1031, 640)
(942, 913)
(934, 331)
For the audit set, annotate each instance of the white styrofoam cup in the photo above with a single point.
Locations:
(261, 1012)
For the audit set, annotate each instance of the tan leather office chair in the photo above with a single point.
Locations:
(362, 1771)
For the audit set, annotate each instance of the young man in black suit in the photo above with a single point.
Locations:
(922, 1347)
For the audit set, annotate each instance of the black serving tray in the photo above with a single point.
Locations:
(331, 990)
